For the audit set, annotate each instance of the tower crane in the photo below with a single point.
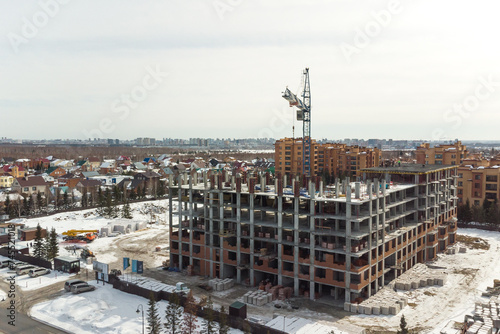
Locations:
(303, 114)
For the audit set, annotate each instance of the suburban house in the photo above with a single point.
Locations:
(13, 170)
(30, 185)
(6, 181)
(94, 163)
(151, 181)
(55, 172)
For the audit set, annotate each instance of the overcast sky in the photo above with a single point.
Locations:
(217, 68)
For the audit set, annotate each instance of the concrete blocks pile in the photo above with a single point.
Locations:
(258, 297)
(419, 276)
(122, 227)
(384, 302)
(489, 313)
(462, 250)
(218, 284)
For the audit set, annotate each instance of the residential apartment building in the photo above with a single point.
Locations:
(347, 241)
(452, 154)
(477, 184)
(288, 154)
(333, 158)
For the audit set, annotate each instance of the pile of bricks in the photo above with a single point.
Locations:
(384, 302)
(218, 284)
(419, 276)
(258, 297)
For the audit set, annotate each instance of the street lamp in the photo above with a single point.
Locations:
(137, 311)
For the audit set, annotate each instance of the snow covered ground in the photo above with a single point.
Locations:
(431, 308)
(105, 310)
(296, 325)
(3, 295)
(25, 282)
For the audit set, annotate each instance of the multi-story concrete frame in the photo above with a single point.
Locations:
(345, 241)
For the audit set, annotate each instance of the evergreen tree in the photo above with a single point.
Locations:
(26, 210)
(161, 189)
(46, 246)
(467, 212)
(110, 208)
(85, 199)
(38, 243)
(126, 211)
(100, 202)
(403, 326)
(31, 206)
(154, 322)
(209, 324)
(53, 246)
(173, 315)
(39, 201)
(143, 191)
(223, 323)
(8, 206)
(189, 322)
(65, 200)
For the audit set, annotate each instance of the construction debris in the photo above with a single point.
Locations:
(486, 319)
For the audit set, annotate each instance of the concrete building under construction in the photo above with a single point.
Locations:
(345, 240)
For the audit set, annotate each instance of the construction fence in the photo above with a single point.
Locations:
(234, 322)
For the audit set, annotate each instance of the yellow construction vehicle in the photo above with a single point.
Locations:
(86, 235)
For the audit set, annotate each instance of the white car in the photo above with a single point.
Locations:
(38, 272)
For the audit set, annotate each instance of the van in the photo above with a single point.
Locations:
(82, 287)
(38, 272)
(71, 282)
(23, 270)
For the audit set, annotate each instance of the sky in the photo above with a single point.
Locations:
(217, 68)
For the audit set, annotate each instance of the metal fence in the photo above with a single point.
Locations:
(4, 251)
(234, 322)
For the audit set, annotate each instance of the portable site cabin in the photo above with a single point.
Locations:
(67, 264)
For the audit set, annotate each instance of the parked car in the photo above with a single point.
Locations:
(14, 264)
(38, 272)
(82, 287)
(5, 263)
(71, 282)
(23, 270)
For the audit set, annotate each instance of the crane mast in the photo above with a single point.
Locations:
(303, 114)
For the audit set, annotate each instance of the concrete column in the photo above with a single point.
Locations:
(311, 240)
(280, 239)
(252, 236)
(348, 246)
(221, 233)
(296, 245)
(372, 244)
(211, 232)
(238, 236)
(190, 208)
(320, 188)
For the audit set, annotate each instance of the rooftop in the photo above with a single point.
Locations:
(408, 169)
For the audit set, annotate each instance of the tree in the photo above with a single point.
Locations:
(39, 201)
(154, 323)
(209, 322)
(403, 326)
(143, 191)
(46, 246)
(161, 189)
(110, 208)
(26, 208)
(85, 199)
(173, 315)
(65, 200)
(100, 202)
(189, 322)
(126, 211)
(223, 324)
(53, 246)
(38, 245)
(8, 205)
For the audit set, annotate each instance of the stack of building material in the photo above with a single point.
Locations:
(384, 302)
(258, 297)
(487, 316)
(218, 284)
(419, 276)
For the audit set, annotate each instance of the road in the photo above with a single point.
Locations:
(27, 325)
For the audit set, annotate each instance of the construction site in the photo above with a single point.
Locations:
(343, 242)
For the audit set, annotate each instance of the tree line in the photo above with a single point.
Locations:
(487, 213)
(45, 248)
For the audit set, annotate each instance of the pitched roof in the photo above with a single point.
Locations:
(89, 183)
(31, 181)
(90, 174)
(94, 159)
